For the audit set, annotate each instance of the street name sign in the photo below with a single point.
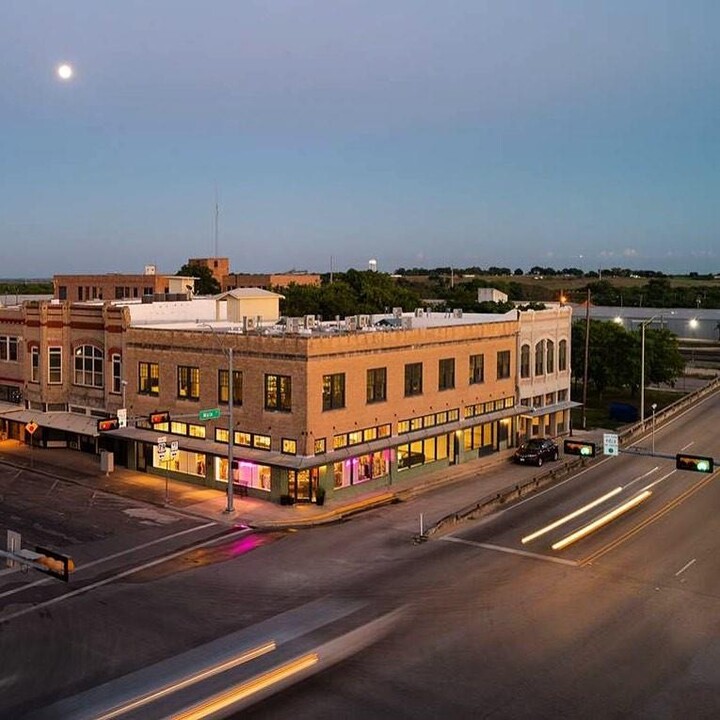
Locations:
(209, 414)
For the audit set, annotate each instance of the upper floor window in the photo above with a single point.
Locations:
(278, 392)
(148, 378)
(446, 374)
(540, 358)
(117, 381)
(88, 366)
(477, 369)
(413, 379)
(224, 387)
(8, 348)
(62, 292)
(55, 365)
(376, 385)
(525, 361)
(333, 396)
(562, 355)
(35, 364)
(550, 357)
(188, 382)
(503, 364)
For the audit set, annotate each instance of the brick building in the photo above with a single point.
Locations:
(268, 281)
(357, 403)
(117, 286)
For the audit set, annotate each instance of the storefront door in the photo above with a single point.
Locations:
(302, 490)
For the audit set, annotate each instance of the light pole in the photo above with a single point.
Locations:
(643, 324)
(654, 407)
(231, 425)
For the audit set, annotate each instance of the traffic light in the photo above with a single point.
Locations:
(575, 447)
(158, 418)
(695, 463)
(55, 564)
(111, 423)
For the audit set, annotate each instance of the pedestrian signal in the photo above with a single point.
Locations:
(111, 423)
(694, 463)
(158, 418)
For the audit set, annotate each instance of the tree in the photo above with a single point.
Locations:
(205, 284)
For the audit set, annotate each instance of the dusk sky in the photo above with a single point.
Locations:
(567, 133)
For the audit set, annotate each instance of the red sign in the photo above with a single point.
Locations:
(31, 427)
(108, 424)
(158, 418)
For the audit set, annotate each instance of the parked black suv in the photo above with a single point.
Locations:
(536, 451)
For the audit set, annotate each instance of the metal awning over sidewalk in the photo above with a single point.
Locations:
(301, 462)
(70, 422)
(547, 409)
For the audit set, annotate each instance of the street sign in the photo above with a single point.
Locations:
(122, 417)
(173, 449)
(209, 414)
(162, 448)
(31, 427)
(611, 446)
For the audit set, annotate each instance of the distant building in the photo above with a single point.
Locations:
(119, 286)
(491, 295)
(268, 281)
(220, 267)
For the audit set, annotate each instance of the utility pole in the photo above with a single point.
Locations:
(587, 354)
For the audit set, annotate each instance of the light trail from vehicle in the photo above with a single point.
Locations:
(244, 657)
(246, 689)
(604, 520)
(571, 516)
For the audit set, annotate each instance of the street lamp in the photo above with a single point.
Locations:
(642, 368)
(231, 425)
(654, 407)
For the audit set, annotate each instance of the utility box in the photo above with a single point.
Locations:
(107, 461)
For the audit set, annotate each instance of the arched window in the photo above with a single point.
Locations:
(88, 366)
(550, 361)
(562, 356)
(540, 358)
(525, 361)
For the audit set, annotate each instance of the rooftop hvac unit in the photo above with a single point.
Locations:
(294, 324)
(457, 312)
(248, 323)
(397, 312)
(310, 322)
(406, 323)
(419, 312)
(363, 321)
(351, 323)
(149, 270)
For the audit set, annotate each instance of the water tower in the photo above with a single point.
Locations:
(372, 265)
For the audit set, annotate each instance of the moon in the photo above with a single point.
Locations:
(65, 71)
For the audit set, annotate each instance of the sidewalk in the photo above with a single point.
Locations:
(84, 469)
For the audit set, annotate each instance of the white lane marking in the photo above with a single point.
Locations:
(511, 551)
(643, 476)
(684, 567)
(107, 558)
(119, 576)
(658, 481)
(682, 449)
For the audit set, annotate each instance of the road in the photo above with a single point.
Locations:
(621, 623)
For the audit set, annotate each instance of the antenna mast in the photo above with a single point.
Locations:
(216, 227)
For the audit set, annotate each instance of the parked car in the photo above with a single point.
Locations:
(536, 451)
